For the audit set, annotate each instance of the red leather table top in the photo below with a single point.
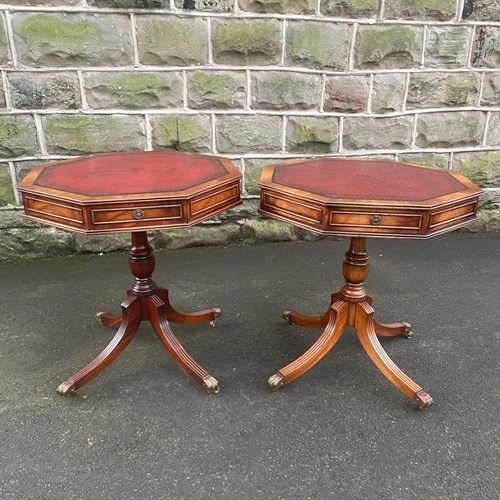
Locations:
(131, 173)
(366, 179)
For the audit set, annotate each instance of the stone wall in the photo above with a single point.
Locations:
(255, 80)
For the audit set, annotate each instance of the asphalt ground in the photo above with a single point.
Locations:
(144, 430)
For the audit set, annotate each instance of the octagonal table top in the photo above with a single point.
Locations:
(372, 181)
(165, 174)
(133, 191)
(368, 197)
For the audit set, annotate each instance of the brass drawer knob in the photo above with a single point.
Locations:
(375, 220)
(138, 213)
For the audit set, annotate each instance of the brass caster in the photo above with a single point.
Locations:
(217, 313)
(65, 389)
(407, 333)
(286, 316)
(423, 400)
(211, 385)
(99, 315)
(276, 381)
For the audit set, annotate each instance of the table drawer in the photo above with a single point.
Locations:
(158, 213)
(375, 220)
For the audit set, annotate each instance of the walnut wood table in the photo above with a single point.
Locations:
(135, 192)
(360, 199)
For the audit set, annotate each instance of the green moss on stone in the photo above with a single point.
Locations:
(207, 83)
(247, 37)
(375, 44)
(135, 82)
(6, 188)
(182, 133)
(41, 27)
(458, 92)
(312, 135)
(483, 169)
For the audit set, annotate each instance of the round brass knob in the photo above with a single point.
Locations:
(138, 213)
(375, 220)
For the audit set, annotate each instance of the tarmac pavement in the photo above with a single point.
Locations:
(144, 430)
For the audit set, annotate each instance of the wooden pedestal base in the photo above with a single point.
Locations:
(145, 302)
(352, 307)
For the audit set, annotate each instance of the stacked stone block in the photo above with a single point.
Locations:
(257, 81)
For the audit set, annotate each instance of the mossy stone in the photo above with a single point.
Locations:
(246, 42)
(350, 8)
(93, 134)
(312, 135)
(481, 168)
(388, 47)
(17, 136)
(73, 40)
(278, 6)
(133, 90)
(172, 41)
(216, 90)
(4, 51)
(318, 45)
(440, 10)
(6, 188)
(183, 133)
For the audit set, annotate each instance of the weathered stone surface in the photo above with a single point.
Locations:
(278, 6)
(67, 134)
(205, 5)
(253, 171)
(434, 90)
(132, 90)
(131, 4)
(312, 135)
(248, 209)
(347, 93)
(13, 219)
(200, 235)
(493, 135)
(97, 243)
(2, 96)
(42, 242)
(182, 132)
(248, 134)
(377, 133)
(388, 92)
(486, 52)
(244, 42)
(481, 168)
(447, 46)
(172, 41)
(44, 2)
(73, 39)
(440, 10)
(284, 90)
(216, 90)
(489, 212)
(41, 91)
(485, 10)
(17, 136)
(6, 189)
(317, 45)
(388, 46)
(349, 8)
(449, 130)
(429, 159)
(259, 230)
(491, 90)
(4, 51)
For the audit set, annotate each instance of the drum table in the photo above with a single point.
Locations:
(135, 192)
(363, 199)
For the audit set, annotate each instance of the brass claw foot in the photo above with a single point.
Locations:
(423, 400)
(211, 385)
(276, 381)
(217, 313)
(65, 389)
(286, 315)
(407, 333)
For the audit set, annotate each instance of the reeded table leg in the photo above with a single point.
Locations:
(145, 302)
(352, 307)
